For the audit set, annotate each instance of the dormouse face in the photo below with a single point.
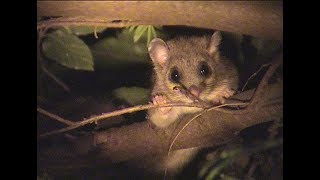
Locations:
(196, 73)
(186, 63)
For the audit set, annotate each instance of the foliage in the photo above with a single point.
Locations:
(129, 46)
(68, 50)
(266, 48)
(139, 31)
(119, 50)
(69, 47)
(132, 95)
(237, 158)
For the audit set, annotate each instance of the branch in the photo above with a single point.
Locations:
(253, 103)
(256, 98)
(53, 116)
(257, 18)
(276, 62)
(73, 125)
(81, 21)
(57, 80)
(212, 128)
(254, 74)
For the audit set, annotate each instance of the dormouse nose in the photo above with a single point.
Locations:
(194, 90)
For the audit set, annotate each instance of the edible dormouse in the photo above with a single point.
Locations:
(194, 64)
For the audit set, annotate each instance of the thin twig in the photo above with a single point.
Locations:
(117, 113)
(195, 117)
(199, 114)
(53, 116)
(260, 90)
(57, 80)
(277, 61)
(254, 74)
(130, 110)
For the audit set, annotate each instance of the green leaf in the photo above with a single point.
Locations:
(205, 168)
(85, 30)
(67, 50)
(149, 35)
(217, 170)
(139, 32)
(266, 48)
(119, 50)
(132, 95)
(153, 30)
(131, 28)
(144, 33)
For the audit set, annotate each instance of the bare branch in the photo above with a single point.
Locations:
(57, 80)
(276, 62)
(198, 115)
(253, 103)
(53, 116)
(124, 111)
(256, 18)
(260, 90)
(81, 21)
(140, 139)
(254, 74)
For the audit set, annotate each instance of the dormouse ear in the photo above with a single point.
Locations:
(214, 42)
(158, 51)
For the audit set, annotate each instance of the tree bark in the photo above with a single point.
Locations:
(210, 129)
(257, 18)
(213, 128)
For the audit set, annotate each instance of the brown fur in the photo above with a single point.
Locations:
(186, 53)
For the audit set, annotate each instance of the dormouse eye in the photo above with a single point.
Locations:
(174, 75)
(204, 69)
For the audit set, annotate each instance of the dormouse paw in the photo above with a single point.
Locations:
(221, 99)
(228, 93)
(160, 100)
(218, 101)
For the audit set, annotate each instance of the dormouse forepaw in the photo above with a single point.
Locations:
(218, 101)
(159, 99)
(228, 93)
(222, 98)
